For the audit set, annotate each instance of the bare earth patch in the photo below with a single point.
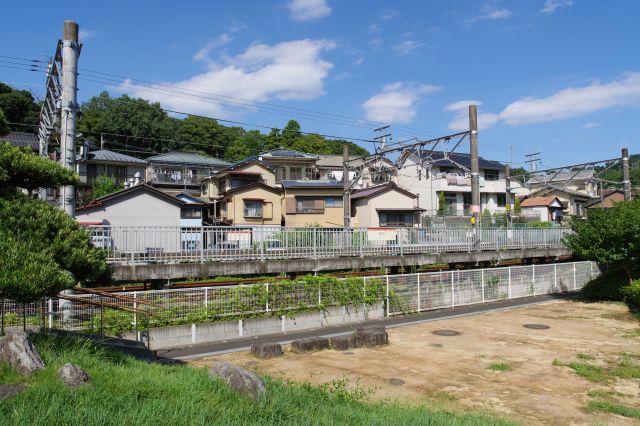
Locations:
(419, 366)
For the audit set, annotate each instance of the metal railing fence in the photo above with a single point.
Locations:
(401, 294)
(139, 244)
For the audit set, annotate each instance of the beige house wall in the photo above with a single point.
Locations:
(366, 210)
(271, 207)
(331, 218)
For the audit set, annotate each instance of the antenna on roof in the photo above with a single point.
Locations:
(381, 139)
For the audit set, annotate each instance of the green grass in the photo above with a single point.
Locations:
(128, 391)
(611, 407)
(584, 356)
(603, 393)
(622, 366)
(499, 366)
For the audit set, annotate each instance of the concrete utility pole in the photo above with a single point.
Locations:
(625, 174)
(475, 176)
(346, 200)
(507, 193)
(70, 53)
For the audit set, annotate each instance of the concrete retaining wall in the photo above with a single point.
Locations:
(193, 334)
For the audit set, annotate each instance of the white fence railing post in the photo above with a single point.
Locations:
(266, 302)
(482, 283)
(533, 279)
(453, 303)
(388, 310)
(419, 307)
(509, 285)
(555, 277)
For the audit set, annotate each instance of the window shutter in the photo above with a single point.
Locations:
(318, 204)
(290, 205)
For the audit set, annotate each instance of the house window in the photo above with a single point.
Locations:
(491, 175)
(447, 170)
(333, 202)
(501, 200)
(190, 213)
(466, 203)
(380, 177)
(396, 219)
(295, 173)
(310, 205)
(281, 174)
(253, 208)
(310, 173)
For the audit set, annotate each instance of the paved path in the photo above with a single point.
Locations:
(215, 348)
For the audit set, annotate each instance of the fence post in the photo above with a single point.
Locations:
(201, 245)
(419, 293)
(533, 279)
(482, 283)
(50, 313)
(575, 285)
(453, 303)
(261, 242)
(555, 276)
(266, 286)
(509, 295)
(388, 311)
(206, 297)
(315, 244)
(135, 315)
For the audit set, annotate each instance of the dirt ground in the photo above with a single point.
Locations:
(455, 370)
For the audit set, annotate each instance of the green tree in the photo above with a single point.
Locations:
(610, 236)
(203, 134)
(517, 206)
(441, 204)
(19, 107)
(4, 126)
(103, 185)
(291, 133)
(38, 232)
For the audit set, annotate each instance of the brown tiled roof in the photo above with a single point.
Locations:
(538, 201)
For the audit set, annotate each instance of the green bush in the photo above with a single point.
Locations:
(608, 286)
(632, 293)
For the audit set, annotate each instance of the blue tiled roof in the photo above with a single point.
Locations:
(22, 139)
(462, 159)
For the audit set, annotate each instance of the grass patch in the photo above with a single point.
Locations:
(499, 366)
(623, 366)
(603, 393)
(128, 391)
(632, 333)
(584, 356)
(611, 407)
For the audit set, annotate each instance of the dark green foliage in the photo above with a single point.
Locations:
(27, 275)
(125, 391)
(103, 185)
(140, 120)
(4, 126)
(21, 169)
(18, 107)
(609, 236)
(614, 174)
(632, 293)
(517, 206)
(441, 203)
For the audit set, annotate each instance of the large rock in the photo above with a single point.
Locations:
(239, 379)
(371, 336)
(17, 350)
(266, 350)
(341, 343)
(310, 344)
(73, 376)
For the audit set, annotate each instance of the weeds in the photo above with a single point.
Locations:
(611, 407)
(585, 357)
(499, 366)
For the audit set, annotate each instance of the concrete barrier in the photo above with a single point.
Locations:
(193, 334)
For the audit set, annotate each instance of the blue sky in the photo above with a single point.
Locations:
(557, 76)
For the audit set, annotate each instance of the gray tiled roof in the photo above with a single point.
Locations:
(286, 153)
(311, 184)
(22, 139)
(113, 157)
(189, 158)
(562, 177)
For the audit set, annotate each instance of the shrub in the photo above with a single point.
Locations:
(608, 286)
(632, 293)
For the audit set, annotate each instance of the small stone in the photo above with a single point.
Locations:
(266, 350)
(8, 390)
(311, 344)
(73, 375)
(17, 350)
(239, 379)
(341, 343)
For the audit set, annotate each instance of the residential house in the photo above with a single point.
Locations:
(144, 205)
(384, 206)
(331, 167)
(245, 194)
(317, 203)
(608, 198)
(22, 140)
(118, 167)
(544, 209)
(181, 170)
(430, 173)
(573, 189)
(290, 164)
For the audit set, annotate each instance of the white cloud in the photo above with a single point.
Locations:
(359, 60)
(288, 70)
(407, 47)
(574, 102)
(396, 102)
(551, 5)
(388, 14)
(461, 118)
(308, 10)
(86, 34)
(591, 125)
(374, 28)
(204, 52)
(490, 14)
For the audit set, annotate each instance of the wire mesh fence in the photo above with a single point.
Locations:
(401, 294)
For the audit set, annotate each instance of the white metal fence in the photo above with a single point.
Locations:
(136, 244)
(401, 293)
